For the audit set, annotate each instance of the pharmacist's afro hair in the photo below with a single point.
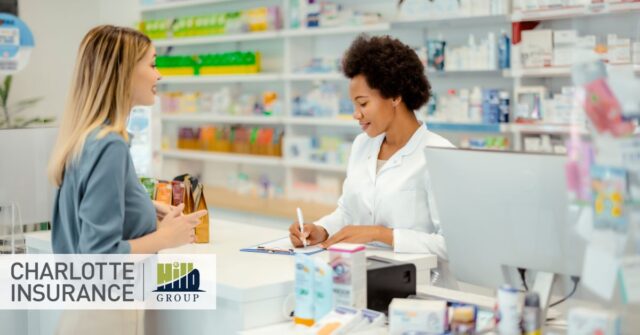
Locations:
(390, 67)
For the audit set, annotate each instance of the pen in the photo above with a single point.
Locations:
(301, 223)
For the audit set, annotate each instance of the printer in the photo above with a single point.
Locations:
(388, 279)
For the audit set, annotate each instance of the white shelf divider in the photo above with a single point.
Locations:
(318, 121)
(549, 72)
(315, 166)
(213, 79)
(575, 11)
(222, 157)
(335, 76)
(303, 32)
(538, 72)
(178, 4)
(457, 20)
(213, 118)
(545, 128)
(213, 39)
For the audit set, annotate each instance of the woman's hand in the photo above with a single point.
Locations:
(361, 234)
(177, 229)
(313, 233)
(162, 209)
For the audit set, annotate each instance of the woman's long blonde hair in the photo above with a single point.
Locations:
(100, 92)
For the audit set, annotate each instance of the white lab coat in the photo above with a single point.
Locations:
(399, 196)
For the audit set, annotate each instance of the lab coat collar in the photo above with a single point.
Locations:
(396, 159)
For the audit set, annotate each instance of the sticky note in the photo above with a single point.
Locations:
(600, 272)
(584, 225)
(630, 279)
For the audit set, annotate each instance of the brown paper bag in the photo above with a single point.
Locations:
(193, 202)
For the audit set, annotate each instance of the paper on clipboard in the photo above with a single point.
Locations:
(282, 246)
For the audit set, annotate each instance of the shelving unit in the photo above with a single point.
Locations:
(288, 41)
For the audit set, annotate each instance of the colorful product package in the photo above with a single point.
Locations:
(412, 315)
(149, 185)
(304, 290)
(177, 192)
(341, 320)
(578, 169)
(349, 274)
(323, 289)
(609, 192)
(163, 192)
(600, 104)
(463, 318)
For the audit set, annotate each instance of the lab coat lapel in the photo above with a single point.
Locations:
(372, 158)
(408, 148)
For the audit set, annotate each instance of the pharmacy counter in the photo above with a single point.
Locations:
(254, 290)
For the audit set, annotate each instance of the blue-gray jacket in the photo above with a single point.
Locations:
(101, 204)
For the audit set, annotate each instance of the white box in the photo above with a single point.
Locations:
(563, 44)
(428, 316)
(536, 48)
(619, 50)
(585, 321)
(564, 37)
(586, 42)
(349, 274)
(636, 53)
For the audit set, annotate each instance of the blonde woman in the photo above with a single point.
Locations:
(100, 206)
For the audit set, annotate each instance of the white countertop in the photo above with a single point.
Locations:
(246, 276)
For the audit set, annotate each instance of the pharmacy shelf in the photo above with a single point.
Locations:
(222, 157)
(465, 127)
(320, 121)
(457, 20)
(213, 118)
(315, 166)
(575, 11)
(213, 79)
(178, 4)
(333, 76)
(318, 31)
(254, 36)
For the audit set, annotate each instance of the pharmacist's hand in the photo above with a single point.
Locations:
(162, 209)
(313, 233)
(357, 234)
(177, 229)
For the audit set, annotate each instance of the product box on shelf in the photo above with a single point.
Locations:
(536, 48)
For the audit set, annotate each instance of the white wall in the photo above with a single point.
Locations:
(58, 27)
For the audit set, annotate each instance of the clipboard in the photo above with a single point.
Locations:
(282, 246)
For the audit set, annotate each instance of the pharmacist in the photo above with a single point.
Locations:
(386, 196)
